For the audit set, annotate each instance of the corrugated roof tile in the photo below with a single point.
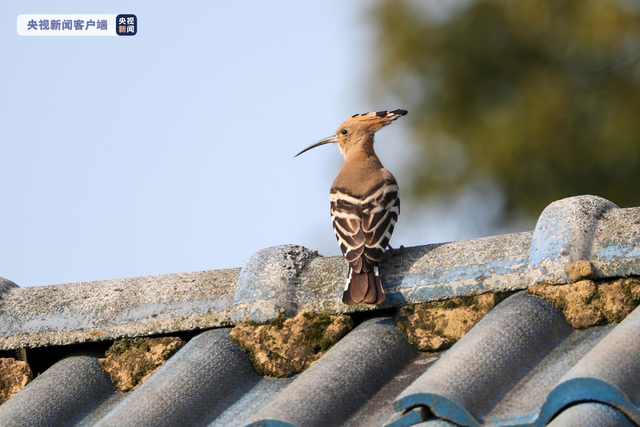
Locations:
(523, 363)
(204, 378)
(65, 394)
(591, 415)
(336, 386)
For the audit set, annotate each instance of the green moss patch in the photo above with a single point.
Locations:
(129, 362)
(14, 376)
(435, 326)
(587, 303)
(287, 346)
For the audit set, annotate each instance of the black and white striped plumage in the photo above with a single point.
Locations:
(363, 225)
(364, 204)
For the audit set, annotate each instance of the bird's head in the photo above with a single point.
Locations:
(358, 129)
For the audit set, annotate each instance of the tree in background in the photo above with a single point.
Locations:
(540, 98)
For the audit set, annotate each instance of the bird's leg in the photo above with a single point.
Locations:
(394, 252)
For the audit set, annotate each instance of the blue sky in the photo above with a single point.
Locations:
(172, 150)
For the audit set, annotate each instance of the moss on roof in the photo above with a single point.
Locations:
(129, 362)
(14, 376)
(435, 326)
(287, 346)
(589, 303)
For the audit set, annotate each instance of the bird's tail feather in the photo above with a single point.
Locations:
(364, 287)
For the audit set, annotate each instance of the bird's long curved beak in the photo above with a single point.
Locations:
(328, 140)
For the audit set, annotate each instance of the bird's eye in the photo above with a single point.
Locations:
(344, 131)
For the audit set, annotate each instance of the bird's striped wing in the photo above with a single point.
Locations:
(364, 226)
(380, 212)
(346, 214)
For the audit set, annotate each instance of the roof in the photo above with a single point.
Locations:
(522, 364)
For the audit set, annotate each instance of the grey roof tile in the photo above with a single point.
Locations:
(414, 416)
(424, 273)
(63, 395)
(563, 234)
(591, 415)
(344, 379)
(200, 381)
(522, 364)
(463, 385)
(110, 309)
(6, 284)
(608, 373)
(436, 423)
(239, 413)
(379, 410)
(616, 243)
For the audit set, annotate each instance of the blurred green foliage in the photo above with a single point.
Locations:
(540, 97)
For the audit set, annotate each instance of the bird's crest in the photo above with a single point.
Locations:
(371, 122)
(392, 115)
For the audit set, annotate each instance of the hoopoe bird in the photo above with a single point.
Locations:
(364, 204)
